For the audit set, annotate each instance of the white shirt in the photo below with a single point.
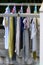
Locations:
(33, 29)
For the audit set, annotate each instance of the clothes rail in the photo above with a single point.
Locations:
(19, 4)
(21, 15)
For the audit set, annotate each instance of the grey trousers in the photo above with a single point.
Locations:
(26, 44)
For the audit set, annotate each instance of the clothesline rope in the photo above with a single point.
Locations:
(19, 4)
(21, 14)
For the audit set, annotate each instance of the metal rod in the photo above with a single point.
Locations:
(21, 15)
(19, 4)
(29, 15)
(9, 15)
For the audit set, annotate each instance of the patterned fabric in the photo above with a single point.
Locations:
(26, 22)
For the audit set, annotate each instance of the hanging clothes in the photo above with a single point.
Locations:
(18, 36)
(21, 29)
(37, 35)
(26, 31)
(26, 38)
(30, 41)
(11, 40)
(36, 20)
(14, 25)
(6, 25)
(34, 38)
(19, 32)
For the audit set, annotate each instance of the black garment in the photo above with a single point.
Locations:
(21, 32)
(14, 27)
